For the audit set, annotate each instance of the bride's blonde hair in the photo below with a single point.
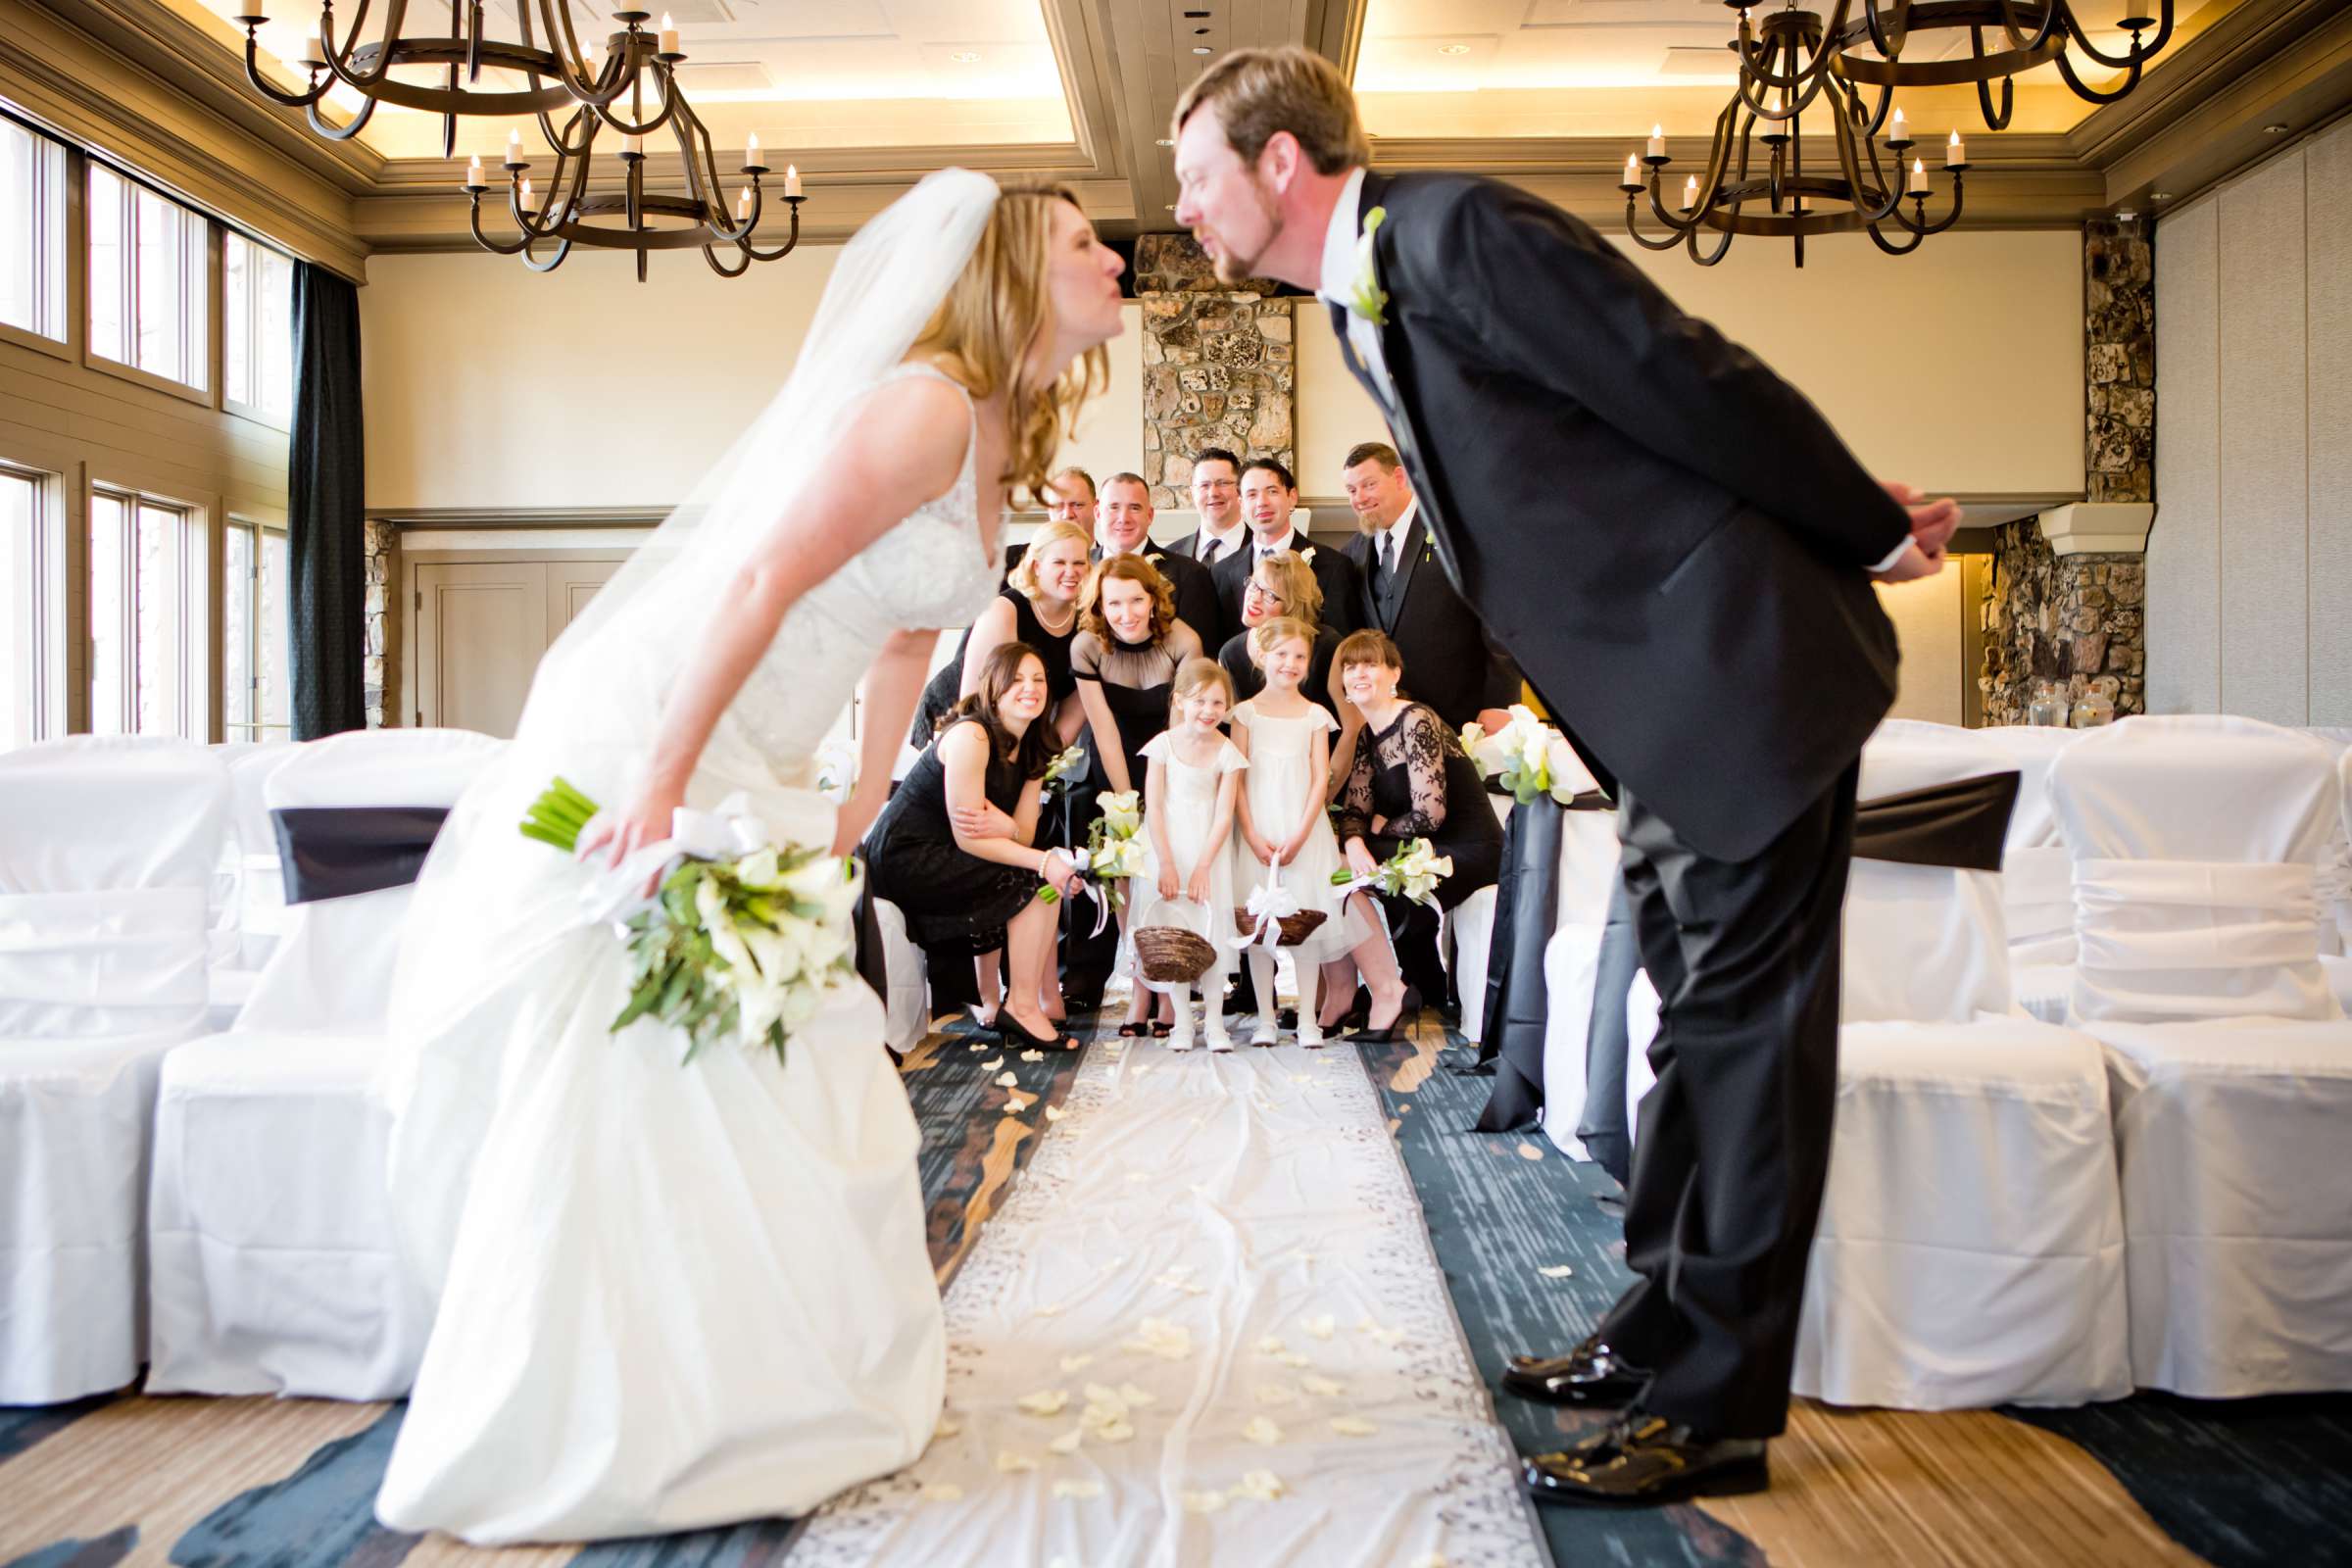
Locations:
(998, 316)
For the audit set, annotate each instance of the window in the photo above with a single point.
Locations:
(32, 669)
(254, 677)
(257, 322)
(32, 233)
(146, 618)
(147, 281)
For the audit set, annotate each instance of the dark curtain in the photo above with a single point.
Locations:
(325, 536)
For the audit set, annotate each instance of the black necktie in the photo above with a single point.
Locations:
(1216, 547)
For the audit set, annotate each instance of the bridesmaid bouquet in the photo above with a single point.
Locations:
(1414, 872)
(1530, 757)
(1114, 851)
(742, 940)
(1058, 770)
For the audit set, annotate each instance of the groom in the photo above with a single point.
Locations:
(1678, 551)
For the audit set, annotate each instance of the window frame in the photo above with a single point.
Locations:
(258, 414)
(262, 526)
(195, 640)
(50, 610)
(71, 257)
(199, 281)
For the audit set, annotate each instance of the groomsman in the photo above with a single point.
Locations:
(1449, 662)
(1217, 497)
(1123, 527)
(1269, 495)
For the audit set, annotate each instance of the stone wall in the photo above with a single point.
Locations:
(381, 545)
(2079, 620)
(1218, 367)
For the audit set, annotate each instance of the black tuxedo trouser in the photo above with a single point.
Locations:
(1735, 1138)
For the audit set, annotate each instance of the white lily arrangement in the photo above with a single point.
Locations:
(743, 937)
(1113, 852)
(1529, 757)
(1058, 770)
(1414, 872)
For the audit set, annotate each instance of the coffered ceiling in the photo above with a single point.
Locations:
(867, 96)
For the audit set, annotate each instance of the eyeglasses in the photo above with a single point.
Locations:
(1260, 590)
(1216, 484)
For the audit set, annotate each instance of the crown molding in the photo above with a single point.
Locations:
(64, 78)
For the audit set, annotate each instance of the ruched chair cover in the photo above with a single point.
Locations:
(275, 1266)
(1971, 1244)
(2196, 842)
(1465, 938)
(107, 852)
(1589, 853)
(2335, 884)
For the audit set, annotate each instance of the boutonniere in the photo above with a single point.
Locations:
(1307, 555)
(1365, 296)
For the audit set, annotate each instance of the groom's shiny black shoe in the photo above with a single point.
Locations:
(1645, 1459)
(1589, 1374)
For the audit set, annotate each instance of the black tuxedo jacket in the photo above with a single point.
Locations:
(1343, 587)
(1196, 593)
(1450, 662)
(1670, 539)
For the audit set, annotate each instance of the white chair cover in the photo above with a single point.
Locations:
(2237, 1205)
(2195, 844)
(1466, 940)
(108, 848)
(1970, 1249)
(2037, 882)
(246, 929)
(2335, 864)
(276, 1269)
(907, 1009)
(1589, 858)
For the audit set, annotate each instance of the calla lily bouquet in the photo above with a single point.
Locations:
(742, 940)
(1059, 771)
(1414, 872)
(1530, 757)
(1114, 848)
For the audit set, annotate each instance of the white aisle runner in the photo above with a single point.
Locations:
(1207, 1329)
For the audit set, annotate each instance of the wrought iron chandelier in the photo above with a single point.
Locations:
(1781, 74)
(1794, 59)
(2038, 33)
(628, 87)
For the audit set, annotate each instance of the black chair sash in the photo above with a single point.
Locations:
(1527, 907)
(1961, 824)
(335, 852)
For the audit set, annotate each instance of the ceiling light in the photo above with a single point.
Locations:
(2274, 131)
(2125, 215)
(1203, 49)
(965, 57)
(1164, 141)
(1453, 48)
(2160, 195)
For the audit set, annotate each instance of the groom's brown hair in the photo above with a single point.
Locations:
(1257, 92)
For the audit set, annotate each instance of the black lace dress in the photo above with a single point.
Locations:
(954, 902)
(947, 682)
(1135, 678)
(1413, 774)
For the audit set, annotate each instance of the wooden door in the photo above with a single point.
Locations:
(480, 629)
(570, 584)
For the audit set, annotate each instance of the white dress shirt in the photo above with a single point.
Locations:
(1338, 281)
(1227, 543)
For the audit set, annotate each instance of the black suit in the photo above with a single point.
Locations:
(1341, 585)
(1673, 544)
(1195, 595)
(1450, 662)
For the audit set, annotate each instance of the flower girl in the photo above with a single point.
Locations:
(1282, 824)
(1187, 878)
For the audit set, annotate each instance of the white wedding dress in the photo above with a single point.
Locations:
(670, 1296)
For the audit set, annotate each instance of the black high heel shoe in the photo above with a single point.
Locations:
(1012, 1032)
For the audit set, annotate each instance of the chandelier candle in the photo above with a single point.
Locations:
(1657, 141)
(1955, 152)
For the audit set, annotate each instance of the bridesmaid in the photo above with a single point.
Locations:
(954, 848)
(1401, 776)
(1037, 608)
(1281, 584)
(1128, 650)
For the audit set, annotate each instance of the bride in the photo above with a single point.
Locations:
(674, 1297)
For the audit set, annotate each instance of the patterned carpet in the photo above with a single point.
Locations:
(2144, 1482)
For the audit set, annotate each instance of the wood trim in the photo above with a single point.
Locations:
(406, 520)
(60, 74)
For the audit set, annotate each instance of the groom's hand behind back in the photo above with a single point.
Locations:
(1933, 524)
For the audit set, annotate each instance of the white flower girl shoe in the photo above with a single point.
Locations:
(1180, 1038)
(1213, 1029)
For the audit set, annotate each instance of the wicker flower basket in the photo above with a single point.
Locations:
(1294, 928)
(1171, 956)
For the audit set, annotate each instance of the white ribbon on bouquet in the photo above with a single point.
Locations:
(1081, 883)
(727, 832)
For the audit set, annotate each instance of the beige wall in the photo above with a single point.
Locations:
(491, 386)
(2250, 559)
(1959, 369)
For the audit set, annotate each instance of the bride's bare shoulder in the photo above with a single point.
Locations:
(915, 427)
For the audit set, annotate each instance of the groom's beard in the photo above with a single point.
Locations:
(1232, 269)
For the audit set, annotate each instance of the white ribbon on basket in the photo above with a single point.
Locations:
(1079, 883)
(1268, 906)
